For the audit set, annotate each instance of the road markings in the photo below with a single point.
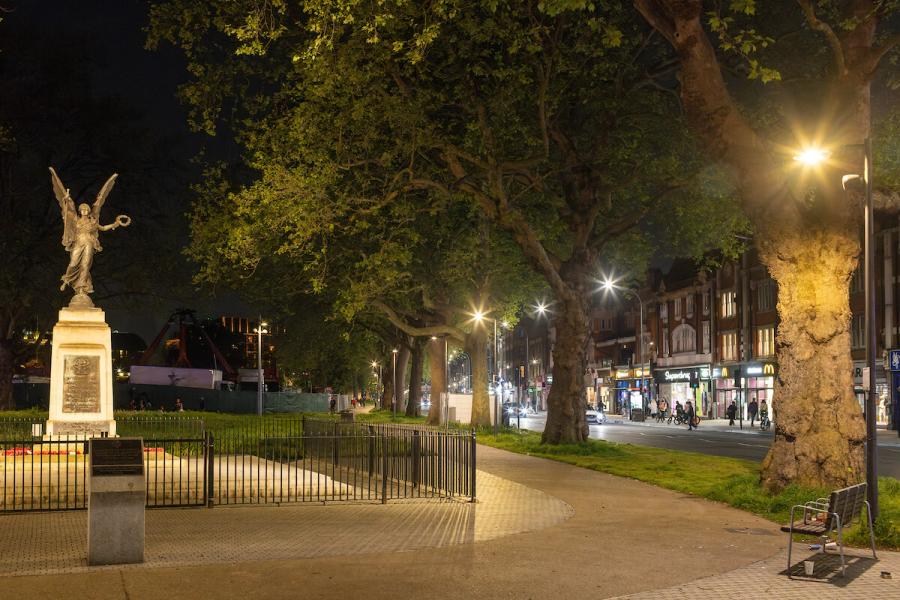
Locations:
(751, 445)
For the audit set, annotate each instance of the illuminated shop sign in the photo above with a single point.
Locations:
(690, 374)
(623, 374)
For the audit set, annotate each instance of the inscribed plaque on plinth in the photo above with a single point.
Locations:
(81, 384)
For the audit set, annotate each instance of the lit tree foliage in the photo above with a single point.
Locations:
(549, 122)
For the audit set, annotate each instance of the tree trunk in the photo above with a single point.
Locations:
(415, 377)
(566, 406)
(387, 383)
(476, 348)
(7, 365)
(402, 371)
(819, 430)
(437, 365)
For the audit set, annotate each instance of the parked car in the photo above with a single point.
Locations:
(594, 417)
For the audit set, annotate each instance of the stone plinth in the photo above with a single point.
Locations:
(117, 494)
(81, 396)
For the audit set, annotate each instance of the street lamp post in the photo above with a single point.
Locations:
(814, 156)
(260, 377)
(871, 339)
(610, 285)
(378, 385)
(479, 316)
(394, 379)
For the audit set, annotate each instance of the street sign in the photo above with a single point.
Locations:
(865, 379)
(894, 360)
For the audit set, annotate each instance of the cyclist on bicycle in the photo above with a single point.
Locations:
(763, 415)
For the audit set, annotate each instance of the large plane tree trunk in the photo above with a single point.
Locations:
(402, 371)
(476, 348)
(387, 383)
(566, 411)
(807, 226)
(819, 430)
(437, 366)
(417, 359)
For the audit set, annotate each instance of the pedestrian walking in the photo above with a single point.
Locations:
(691, 414)
(653, 407)
(731, 411)
(752, 409)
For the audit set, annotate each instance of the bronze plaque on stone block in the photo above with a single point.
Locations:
(117, 456)
(81, 384)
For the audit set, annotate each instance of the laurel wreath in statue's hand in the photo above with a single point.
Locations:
(123, 220)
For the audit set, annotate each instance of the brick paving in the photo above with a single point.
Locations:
(46, 543)
(767, 579)
(541, 530)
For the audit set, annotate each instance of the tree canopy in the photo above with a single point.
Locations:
(502, 121)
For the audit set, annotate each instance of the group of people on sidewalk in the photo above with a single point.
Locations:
(754, 410)
(685, 414)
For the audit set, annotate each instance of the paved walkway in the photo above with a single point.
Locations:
(540, 530)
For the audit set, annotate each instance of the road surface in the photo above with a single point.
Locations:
(747, 444)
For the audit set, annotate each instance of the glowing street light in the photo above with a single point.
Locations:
(812, 156)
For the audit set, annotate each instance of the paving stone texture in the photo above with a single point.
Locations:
(540, 530)
(768, 579)
(44, 543)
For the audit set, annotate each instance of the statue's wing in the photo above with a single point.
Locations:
(101, 197)
(67, 207)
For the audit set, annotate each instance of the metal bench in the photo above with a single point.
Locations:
(824, 515)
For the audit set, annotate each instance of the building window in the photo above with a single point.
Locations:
(689, 305)
(684, 339)
(765, 341)
(765, 295)
(705, 331)
(729, 346)
(665, 341)
(705, 296)
(677, 309)
(729, 304)
(857, 332)
(857, 281)
(664, 311)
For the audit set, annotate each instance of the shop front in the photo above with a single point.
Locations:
(628, 385)
(685, 384)
(742, 383)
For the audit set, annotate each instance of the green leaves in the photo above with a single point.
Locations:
(745, 42)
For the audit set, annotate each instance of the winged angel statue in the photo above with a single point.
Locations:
(81, 237)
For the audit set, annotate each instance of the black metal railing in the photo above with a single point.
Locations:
(264, 460)
(415, 461)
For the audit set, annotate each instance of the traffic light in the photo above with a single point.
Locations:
(736, 375)
(695, 379)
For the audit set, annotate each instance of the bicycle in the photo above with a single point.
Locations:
(764, 423)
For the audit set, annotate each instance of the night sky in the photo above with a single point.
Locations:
(146, 80)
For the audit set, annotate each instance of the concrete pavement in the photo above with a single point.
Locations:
(541, 529)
